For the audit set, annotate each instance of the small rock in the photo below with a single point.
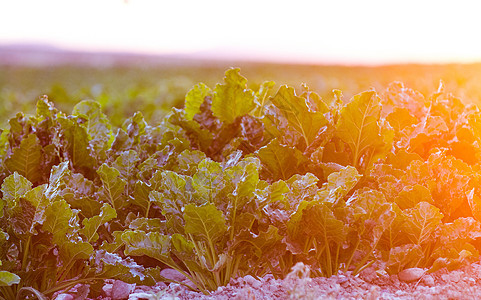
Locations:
(142, 296)
(455, 276)
(368, 274)
(428, 280)
(107, 289)
(250, 280)
(64, 297)
(172, 275)
(411, 274)
(121, 290)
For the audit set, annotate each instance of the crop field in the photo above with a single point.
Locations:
(216, 172)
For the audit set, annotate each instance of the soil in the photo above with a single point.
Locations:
(464, 283)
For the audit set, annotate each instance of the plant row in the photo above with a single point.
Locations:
(239, 182)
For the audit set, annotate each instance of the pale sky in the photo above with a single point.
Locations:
(334, 31)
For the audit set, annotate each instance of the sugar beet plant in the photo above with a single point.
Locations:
(240, 181)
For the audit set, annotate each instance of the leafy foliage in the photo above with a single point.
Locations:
(241, 181)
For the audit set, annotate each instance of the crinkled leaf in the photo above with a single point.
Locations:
(459, 231)
(199, 137)
(412, 195)
(152, 244)
(135, 127)
(421, 222)
(8, 279)
(14, 187)
(358, 125)
(26, 160)
(371, 215)
(75, 250)
(56, 183)
(112, 266)
(300, 116)
(76, 141)
(208, 181)
(313, 220)
(194, 99)
(147, 224)
(280, 161)
(90, 226)
(126, 163)
(96, 123)
(113, 187)
(57, 220)
(403, 257)
(241, 181)
(232, 99)
(141, 196)
(205, 222)
(114, 245)
(400, 119)
(402, 159)
(339, 184)
(36, 197)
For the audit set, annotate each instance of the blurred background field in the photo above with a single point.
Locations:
(125, 84)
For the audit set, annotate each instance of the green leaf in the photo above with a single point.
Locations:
(403, 257)
(243, 178)
(112, 266)
(97, 124)
(141, 196)
(135, 127)
(421, 222)
(358, 125)
(56, 180)
(113, 187)
(71, 251)
(90, 226)
(199, 136)
(152, 244)
(319, 221)
(126, 163)
(295, 109)
(205, 222)
(194, 99)
(8, 279)
(232, 99)
(281, 162)
(26, 160)
(412, 195)
(208, 181)
(36, 197)
(147, 224)
(57, 220)
(339, 184)
(76, 143)
(400, 119)
(14, 187)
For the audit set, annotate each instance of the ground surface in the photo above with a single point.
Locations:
(464, 283)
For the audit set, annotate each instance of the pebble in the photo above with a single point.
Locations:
(411, 274)
(64, 297)
(428, 280)
(142, 296)
(107, 289)
(121, 290)
(172, 275)
(249, 279)
(455, 276)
